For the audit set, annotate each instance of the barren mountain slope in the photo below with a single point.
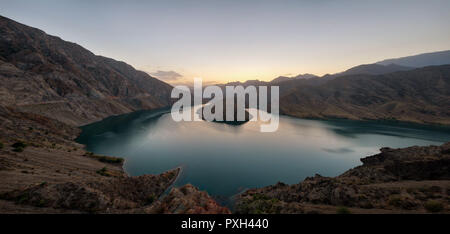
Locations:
(44, 74)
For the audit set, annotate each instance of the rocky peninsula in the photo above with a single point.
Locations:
(408, 180)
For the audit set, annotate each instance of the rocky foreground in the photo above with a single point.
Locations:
(48, 87)
(42, 170)
(409, 180)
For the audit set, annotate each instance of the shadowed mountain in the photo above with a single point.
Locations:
(298, 77)
(420, 95)
(46, 75)
(373, 69)
(421, 60)
(287, 84)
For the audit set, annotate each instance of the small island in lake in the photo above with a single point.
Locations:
(248, 116)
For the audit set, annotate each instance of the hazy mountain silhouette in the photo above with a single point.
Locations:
(421, 60)
(373, 69)
(286, 78)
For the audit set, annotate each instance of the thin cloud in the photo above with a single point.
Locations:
(190, 83)
(167, 75)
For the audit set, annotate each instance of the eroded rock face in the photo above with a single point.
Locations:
(396, 180)
(412, 163)
(46, 75)
(188, 200)
(35, 128)
(54, 174)
(119, 194)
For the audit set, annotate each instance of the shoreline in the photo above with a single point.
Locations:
(392, 181)
(172, 184)
(382, 121)
(162, 111)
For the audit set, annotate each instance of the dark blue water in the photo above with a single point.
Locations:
(225, 159)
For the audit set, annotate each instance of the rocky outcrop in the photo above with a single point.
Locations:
(48, 86)
(42, 170)
(188, 200)
(410, 180)
(48, 76)
(412, 163)
(114, 194)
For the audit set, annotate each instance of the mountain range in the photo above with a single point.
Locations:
(378, 68)
(421, 95)
(46, 75)
(378, 91)
(285, 78)
(372, 69)
(49, 86)
(421, 60)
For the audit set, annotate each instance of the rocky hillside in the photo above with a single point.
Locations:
(42, 170)
(409, 180)
(421, 95)
(48, 87)
(46, 75)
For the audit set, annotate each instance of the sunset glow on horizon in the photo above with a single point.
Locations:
(224, 41)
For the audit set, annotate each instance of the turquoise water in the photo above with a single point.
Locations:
(226, 159)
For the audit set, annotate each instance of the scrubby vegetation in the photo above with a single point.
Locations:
(260, 204)
(19, 149)
(342, 210)
(105, 159)
(19, 146)
(434, 206)
(395, 200)
(151, 199)
(103, 172)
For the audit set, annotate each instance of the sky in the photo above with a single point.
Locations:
(238, 40)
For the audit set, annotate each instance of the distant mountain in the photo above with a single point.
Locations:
(272, 82)
(420, 95)
(287, 83)
(285, 78)
(46, 75)
(373, 69)
(421, 60)
(246, 83)
(368, 91)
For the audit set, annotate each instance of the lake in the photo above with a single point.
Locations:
(226, 159)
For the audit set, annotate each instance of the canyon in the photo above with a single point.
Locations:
(50, 87)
